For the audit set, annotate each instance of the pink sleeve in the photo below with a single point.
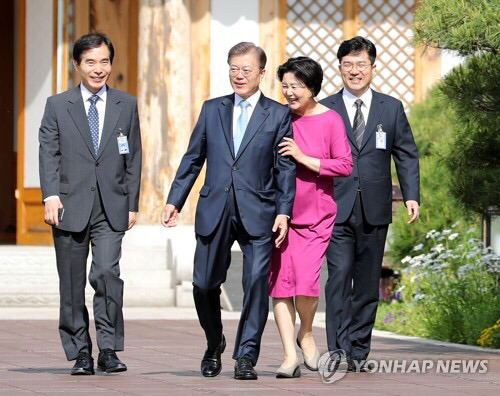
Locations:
(340, 163)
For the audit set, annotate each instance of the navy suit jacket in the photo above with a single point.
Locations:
(371, 166)
(263, 181)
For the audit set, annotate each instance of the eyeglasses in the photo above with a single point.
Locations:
(361, 66)
(234, 71)
(293, 88)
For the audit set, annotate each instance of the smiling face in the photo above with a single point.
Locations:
(94, 68)
(245, 74)
(357, 81)
(298, 96)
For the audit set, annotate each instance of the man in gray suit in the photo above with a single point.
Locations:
(90, 171)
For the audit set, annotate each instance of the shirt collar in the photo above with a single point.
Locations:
(252, 99)
(86, 94)
(349, 98)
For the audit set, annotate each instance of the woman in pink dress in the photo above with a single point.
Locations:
(321, 151)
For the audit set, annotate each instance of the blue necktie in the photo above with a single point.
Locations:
(241, 125)
(93, 117)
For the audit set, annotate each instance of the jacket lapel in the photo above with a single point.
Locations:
(111, 117)
(76, 110)
(376, 110)
(337, 104)
(259, 114)
(226, 119)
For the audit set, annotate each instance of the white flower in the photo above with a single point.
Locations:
(453, 236)
(455, 224)
(438, 248)
(431, 234)
(446, 232)
(471, 230)
(406, 259)
(418, 247)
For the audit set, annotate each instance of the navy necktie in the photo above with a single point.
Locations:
(93, 117)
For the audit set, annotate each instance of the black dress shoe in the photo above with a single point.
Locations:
(84, 365)
(358, 365)
(211, 364)
(243, 369)
(109, 362)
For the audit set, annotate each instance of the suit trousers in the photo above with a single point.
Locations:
(354, 258)
(211, 262)
(72, 249)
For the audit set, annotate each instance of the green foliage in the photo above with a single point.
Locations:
(451, 292)
(431, 121)
(473, 154)
(439, 211)
(466, 26)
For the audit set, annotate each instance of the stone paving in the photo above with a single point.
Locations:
(163, 358)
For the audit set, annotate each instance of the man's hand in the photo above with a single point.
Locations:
(281, 225)
(169, 216)
(51, 215)
(132, 218)
(413, 210)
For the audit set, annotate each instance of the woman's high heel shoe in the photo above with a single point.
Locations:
(292, 371)
(311, 362)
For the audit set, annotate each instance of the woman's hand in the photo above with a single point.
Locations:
(288, 147)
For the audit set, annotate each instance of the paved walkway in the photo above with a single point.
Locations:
(163, 357)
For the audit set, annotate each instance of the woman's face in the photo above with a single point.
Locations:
(298, 96)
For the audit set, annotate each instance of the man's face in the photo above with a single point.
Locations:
(245, 74)
(357, 72)
(94, 68)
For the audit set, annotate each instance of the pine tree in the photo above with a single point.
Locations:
(473, 154)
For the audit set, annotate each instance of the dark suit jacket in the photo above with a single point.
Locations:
(372, 167)
(263, 180)
(70, 169)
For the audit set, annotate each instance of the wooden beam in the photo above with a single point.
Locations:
(351, 20)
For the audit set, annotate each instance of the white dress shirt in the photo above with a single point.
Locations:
(237, 108)
(101, 109)
(100, 104)
(350, 105)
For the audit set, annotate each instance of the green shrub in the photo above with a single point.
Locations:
(439, 210)
(454, 286)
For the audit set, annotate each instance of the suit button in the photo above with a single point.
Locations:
(234, 168)
(92, 188)
(226, 189)
(355, 178)
(97, 163)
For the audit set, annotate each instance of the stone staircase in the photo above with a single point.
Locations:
(28, 274)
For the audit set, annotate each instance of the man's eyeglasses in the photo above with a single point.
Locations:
(234, 71)
(361, 66)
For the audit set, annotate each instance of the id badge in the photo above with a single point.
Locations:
(122, 144)
(380, 138)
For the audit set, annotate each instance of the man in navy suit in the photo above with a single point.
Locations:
(248, 194)
(378, 130)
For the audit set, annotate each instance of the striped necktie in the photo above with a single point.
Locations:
(358, 126)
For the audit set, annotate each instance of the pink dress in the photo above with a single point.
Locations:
(295, 266)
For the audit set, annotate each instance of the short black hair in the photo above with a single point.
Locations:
(355, 46)
(89, 41)
(306, 70)
(244, 48)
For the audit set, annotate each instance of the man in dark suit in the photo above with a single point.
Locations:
(90, 171)
(377, 129)
(248, 194)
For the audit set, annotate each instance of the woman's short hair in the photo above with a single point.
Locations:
(306, 70)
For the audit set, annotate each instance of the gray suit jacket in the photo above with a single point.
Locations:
(70, 169)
